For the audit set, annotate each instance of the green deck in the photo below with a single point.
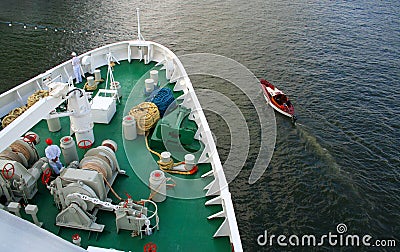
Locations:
(183, 223)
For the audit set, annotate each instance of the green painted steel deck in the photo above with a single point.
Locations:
(183, 222)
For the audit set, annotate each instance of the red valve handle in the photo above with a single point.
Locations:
(85, 144)
(6, 171)
(46, 176)
(30, 138)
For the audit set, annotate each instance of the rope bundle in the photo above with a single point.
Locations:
(7, 120)
(19, 147)
(35, 97)
(19, 152)
(10, 155)
(13, 115)
(18, 111)
(168, 166)
(146, 115)
(162, 98)
(87, 87)
(96, 167)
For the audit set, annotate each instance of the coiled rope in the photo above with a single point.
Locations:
(168, 166)
(9, 155)
(90, 88)
(18, 111)
(7, 120)
(94, 167)
(18, 147)
(35, 97)
(162, 98)
(146, 115)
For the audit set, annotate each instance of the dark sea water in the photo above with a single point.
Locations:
(339, 61)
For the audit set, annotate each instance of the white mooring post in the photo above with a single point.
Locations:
(14, 208)
(32, 210)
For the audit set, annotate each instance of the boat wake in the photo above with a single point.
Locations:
(313, 145)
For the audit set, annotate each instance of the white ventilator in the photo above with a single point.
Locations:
(158, 186)
(68, 149)
(129, 127)
(154, 76)
(149, 85)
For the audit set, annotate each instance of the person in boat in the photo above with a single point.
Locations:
(278, 99)
(53, 153)
(76, 64)
(285, 107)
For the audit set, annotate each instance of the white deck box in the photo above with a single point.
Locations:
(104, 106)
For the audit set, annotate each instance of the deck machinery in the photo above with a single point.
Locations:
(20, 170)
(81, 189)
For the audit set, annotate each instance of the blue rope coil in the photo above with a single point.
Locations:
(163, 98)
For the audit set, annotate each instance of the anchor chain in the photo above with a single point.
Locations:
(96, 201)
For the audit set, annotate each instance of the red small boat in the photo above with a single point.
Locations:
(277, 99)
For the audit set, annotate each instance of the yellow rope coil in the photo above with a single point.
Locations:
(7, 120)
(12, 116)
(18, 111)
(89, 88)
(35, 97)
(146, 115)
(168, 166)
